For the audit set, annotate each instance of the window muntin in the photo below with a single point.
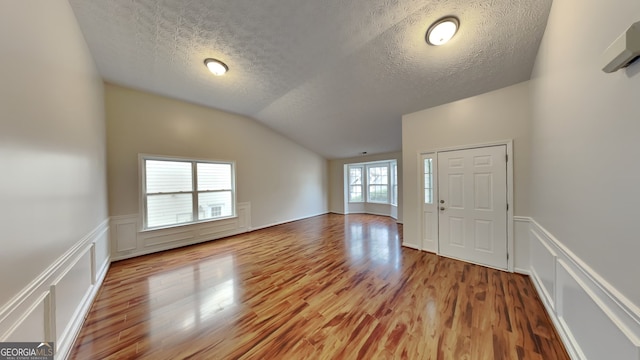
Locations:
(182, 191)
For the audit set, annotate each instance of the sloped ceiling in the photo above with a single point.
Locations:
(335, 76)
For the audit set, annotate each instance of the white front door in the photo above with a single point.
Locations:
(472, 191)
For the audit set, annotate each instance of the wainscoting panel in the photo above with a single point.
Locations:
(152, 239)
(54, 305)
(594, 320)
(70, 290)
(129, 241)
(125, 229)
(521, 244)
(543, 268)
(32, 325)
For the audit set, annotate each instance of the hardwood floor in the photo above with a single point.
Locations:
(329, 287)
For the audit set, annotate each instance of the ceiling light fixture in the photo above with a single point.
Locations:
(217, 67)
(442, 31)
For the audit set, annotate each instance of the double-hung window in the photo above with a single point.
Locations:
(378, 183)
(181, 191)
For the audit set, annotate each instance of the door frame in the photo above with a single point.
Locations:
(434, 152)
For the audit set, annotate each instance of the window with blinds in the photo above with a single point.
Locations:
(182, 191)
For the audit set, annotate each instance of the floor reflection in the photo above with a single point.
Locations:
(371, 241)
(192, 296)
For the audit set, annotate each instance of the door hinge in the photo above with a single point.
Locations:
(507, 207)
(507, 256)
(506, 157)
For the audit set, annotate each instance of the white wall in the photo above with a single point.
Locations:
(586, 127)
(53, 202)
(498, 115)
(585, 174)
(277, 179)
(337, 190)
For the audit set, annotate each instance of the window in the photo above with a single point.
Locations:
(180, 191)
(378, 184)
(355, 184)
(374, 182)
(428, 181)
(394, 183)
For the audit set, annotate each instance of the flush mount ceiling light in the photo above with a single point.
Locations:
(217, 67)
(442, 31)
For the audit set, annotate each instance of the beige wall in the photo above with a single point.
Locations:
(499, 115)
(52, 140)
(282, 180)
(336, 179)
(585, 186)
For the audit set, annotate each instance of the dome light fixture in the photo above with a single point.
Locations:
(442, 31)
(217, 67)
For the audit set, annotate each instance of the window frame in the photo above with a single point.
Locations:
(384, 165)
(392, 183)
(142, 184)
(361, 185)
(393, 180)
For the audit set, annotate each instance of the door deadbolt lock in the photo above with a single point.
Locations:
(441, 201)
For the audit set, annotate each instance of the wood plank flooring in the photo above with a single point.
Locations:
(328, 287)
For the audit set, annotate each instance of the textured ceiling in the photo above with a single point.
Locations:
(335, 76)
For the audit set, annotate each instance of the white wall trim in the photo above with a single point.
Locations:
(67, 339)
(568, 341)
(581, 303)
(518, 241)
(369, 213)
(46, 274)
(341, 213)
(127, 240)
(43, 299)
(412, 246)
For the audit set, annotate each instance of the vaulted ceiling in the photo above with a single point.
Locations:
(336, 76)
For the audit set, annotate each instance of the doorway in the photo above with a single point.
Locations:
(465, 212)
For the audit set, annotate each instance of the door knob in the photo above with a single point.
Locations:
(441, 207)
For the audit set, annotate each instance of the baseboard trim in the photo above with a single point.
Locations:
(588, 312)
(411, 246)
(288, 221)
